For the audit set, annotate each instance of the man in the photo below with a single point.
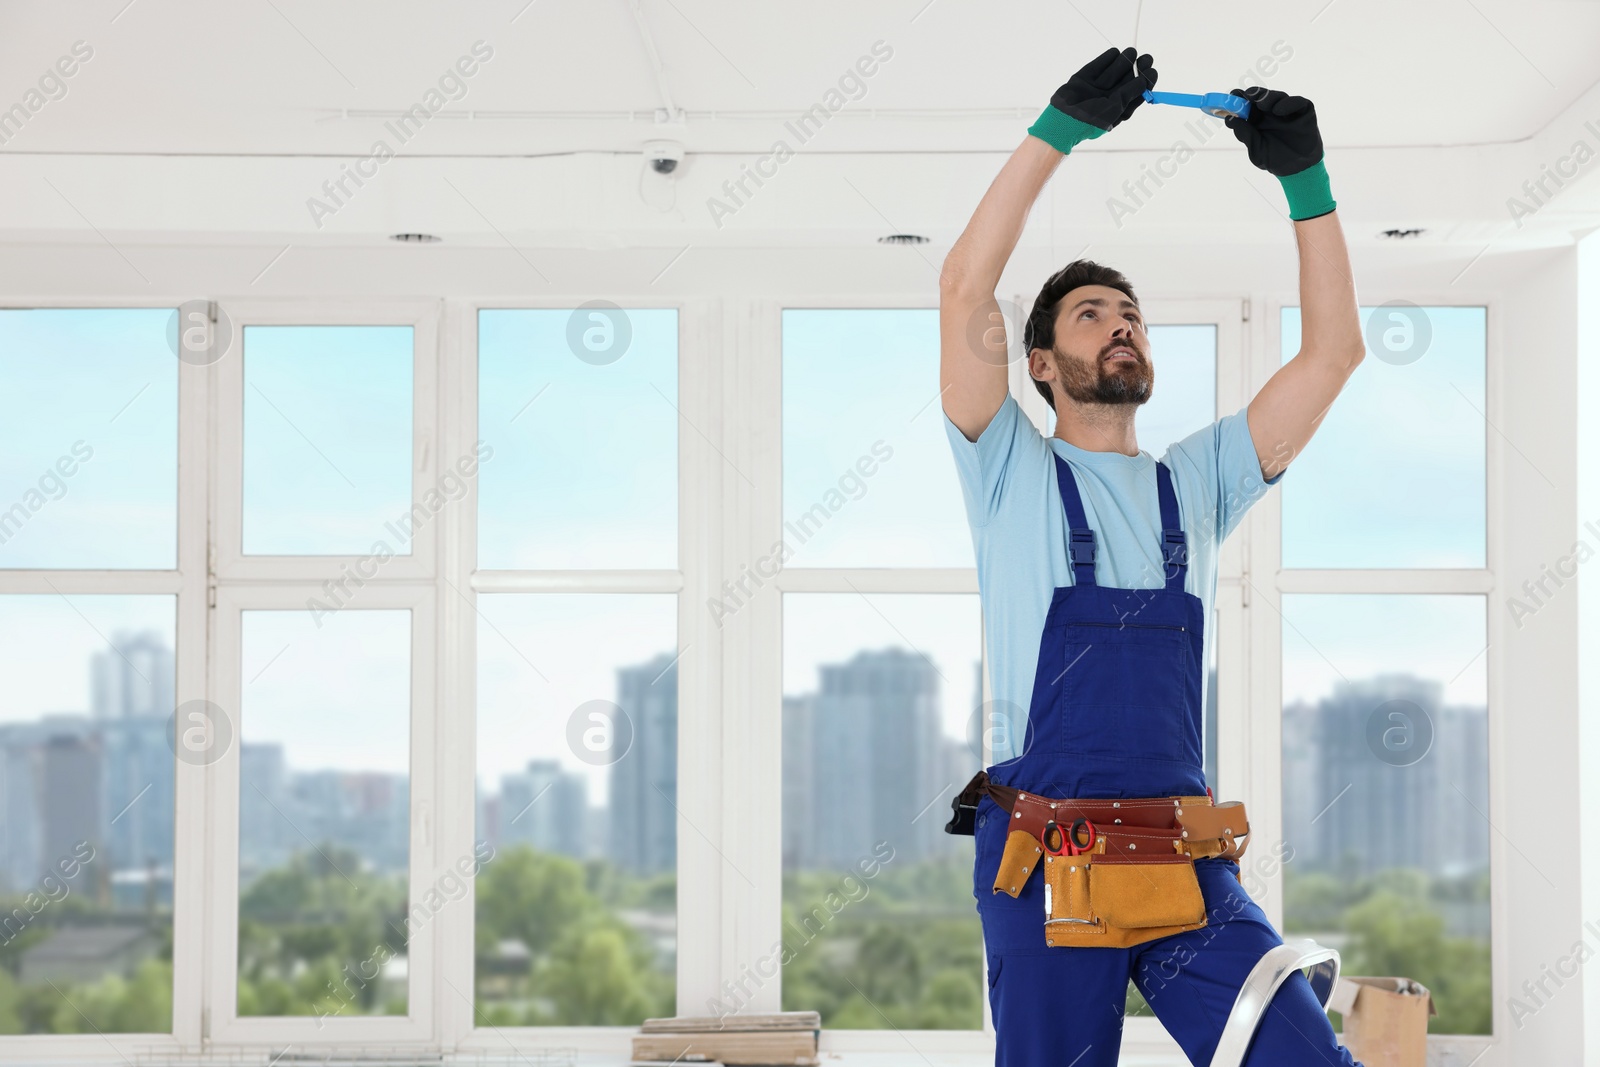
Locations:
(1103, 641)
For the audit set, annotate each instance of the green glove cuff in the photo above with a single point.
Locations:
(1061, 131)
(1308, 192)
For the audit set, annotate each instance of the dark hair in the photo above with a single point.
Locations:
(1040, 331)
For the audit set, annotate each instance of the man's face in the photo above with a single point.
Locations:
(1102, 353)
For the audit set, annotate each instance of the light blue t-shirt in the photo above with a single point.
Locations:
(1019, 530)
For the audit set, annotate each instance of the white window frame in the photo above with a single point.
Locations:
(1264, 734)
(186, 582)
(426, 861)
(285, 582)
(730, 691)
(703, 336)
(423, 318)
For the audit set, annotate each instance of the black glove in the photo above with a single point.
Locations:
(1281, 133)
(1108, 89)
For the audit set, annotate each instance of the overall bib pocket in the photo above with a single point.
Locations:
(1144, 712)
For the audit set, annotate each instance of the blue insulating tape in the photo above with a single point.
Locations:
(1219, 104)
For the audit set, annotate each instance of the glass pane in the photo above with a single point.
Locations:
(1395, 475)
(577, 807)
(327, 440)
(324, 813)
(580, 410)
(86, 814)
(868, 480)
(881, 727)
(89, 442)
(1184, 398)
(1385, 790)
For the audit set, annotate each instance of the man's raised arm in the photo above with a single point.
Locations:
(972, 347)
(1283, 140)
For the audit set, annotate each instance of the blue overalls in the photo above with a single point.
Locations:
(1116, 712)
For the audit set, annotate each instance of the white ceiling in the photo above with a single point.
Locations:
(217, 122)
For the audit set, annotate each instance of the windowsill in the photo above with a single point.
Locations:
(1144, 1044)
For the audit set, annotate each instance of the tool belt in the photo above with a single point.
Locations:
(1116, 872)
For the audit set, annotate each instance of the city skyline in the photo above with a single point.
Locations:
(85, 766)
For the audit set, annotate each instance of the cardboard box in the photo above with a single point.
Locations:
(1385, 1020)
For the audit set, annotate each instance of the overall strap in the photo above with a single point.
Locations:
(1080, 538)
(1174, 547)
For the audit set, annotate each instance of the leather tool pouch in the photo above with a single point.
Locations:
(1215, 829)
(1142, 895)
(1017, 862)
(1138, 883)
(1135, 887)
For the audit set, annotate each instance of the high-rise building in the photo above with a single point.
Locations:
(139, 796)
(70, 773)
(265, 841)
(133, 679)
(878, 757)
(20, 856)
(366, 811)
(545, 808)
(644, 781)
(1356, 803)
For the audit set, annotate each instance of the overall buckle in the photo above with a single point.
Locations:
(1081, 539)
(1174, 548)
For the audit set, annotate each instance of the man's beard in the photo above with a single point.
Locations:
(1106, 382)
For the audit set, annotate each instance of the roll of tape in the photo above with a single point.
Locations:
(1222, 105)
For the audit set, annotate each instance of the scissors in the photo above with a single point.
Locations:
(1222, 105)
(1069, 837)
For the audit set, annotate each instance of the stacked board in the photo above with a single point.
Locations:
(787, 1037)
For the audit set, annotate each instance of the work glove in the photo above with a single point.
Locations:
(1282, 139)
(1108, 89)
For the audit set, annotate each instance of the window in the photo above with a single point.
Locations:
(880, 729)
(1395, 476)
(577, 788)
(90, 438)
(380, 583)
(327, 437)
(1184, 398)
(580, 408)
(320, 801)
(867, 475)
(881, 691)
(88, 777)
(1385, 694)
(577, 692)
(86, 813)
(324, 813)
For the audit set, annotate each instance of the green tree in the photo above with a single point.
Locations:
(313, 932)
(1397, 933)
(10, 1017)
(532, 897)
(600, 974)
(585, 966)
